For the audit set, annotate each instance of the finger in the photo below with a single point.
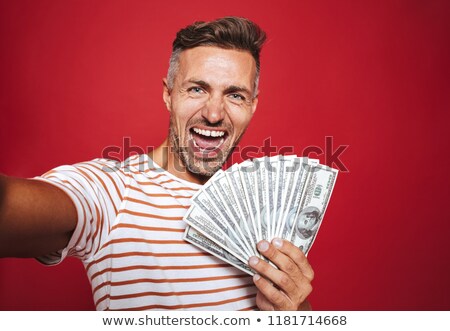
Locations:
(296, 255)
(281, 260)
(277, 299)
(277, 277)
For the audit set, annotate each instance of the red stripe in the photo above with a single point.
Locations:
(135, 213)
(127, 254)
(158, 195)
(146, 241)
(146, 228)
(155, 205)
(157, 267)
(193, 305)
(166, 294)
(159, 281)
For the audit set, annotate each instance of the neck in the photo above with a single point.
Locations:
(169, 161)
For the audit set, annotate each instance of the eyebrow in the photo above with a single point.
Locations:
(201, 83)
(234, 88)
(229, 89)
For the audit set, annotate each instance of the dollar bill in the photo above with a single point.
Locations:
(203, 201)
(294, 201)
(233, 229)
(267, 175)
(262, 204)
(231, 206)
(245, 221)
(316, 197)
(291, 169)
(198, 218)
(247, 172)
(196, 238)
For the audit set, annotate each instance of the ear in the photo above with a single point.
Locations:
(166, 95)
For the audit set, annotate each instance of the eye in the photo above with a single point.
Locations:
(195, 90)
(237, 97)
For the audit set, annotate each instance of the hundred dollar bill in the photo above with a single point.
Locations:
(196, 238)
(233, 229)
(266, 175)
(307, 220)
(245, 222)
(271, 165)
(262, 203)
(247, 172)
(284, 181)
(291, 169)
(296, 194)
(281, 181)
(202, 200)
(226, 196)
(199, 219)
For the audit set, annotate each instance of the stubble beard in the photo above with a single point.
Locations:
(199, 166)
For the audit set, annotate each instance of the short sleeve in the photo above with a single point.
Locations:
(96, 189)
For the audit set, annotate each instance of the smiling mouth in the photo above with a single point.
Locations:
(207, 143)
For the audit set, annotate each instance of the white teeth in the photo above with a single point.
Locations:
(209, 133)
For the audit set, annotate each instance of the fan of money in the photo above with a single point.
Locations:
(265, 198)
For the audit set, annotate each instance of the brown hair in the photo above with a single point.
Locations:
(227, 32)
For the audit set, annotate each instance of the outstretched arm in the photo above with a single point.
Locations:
(36, 218)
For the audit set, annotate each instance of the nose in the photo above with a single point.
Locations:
(214, 110)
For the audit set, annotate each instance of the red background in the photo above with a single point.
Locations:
(78, 76)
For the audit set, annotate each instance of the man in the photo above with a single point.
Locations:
(125, 223)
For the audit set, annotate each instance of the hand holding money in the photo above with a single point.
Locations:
(262, 217)
(287, 287)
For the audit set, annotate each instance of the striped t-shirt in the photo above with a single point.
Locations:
(129, 238)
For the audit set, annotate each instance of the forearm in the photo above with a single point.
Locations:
(36, 218)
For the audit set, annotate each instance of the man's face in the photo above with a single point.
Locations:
(211, 104)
